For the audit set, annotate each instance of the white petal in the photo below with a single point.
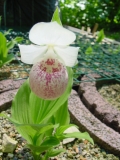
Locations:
(68, 54)
(31, 52)
(50, 33)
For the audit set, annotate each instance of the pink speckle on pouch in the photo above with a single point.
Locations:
(48, 79)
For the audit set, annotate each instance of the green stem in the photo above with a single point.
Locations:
(36, 156)
(45, 157)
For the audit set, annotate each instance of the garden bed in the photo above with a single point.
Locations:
(106, 137)
(87, 107)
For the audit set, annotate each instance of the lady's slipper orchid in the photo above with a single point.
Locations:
(50, 56)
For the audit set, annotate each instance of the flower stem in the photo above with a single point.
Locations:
(36, 156)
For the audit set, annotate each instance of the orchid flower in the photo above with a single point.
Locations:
(50, 53)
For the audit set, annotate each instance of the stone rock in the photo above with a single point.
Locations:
(6, 99)
(70, 130)
(6, 85)
(8, 89)
(8, 144)
(10, 155)
(1, 153)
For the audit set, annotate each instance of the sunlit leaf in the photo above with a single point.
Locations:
(61, 129)
(101, 36)
(79, 135)
(56, 16)
(89, 51)
(7, 32)
(3, 47)
(45, 145)
(9, 58)
(20, 109)
(62, 115)
(55, 152)
(11, 44)
(50, 142)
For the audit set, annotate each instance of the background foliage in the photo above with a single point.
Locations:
(78, 13)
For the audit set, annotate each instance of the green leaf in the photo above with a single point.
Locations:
(79, 135)
(18, 39)
(38, 149)
(39, 128)
(43, 128)
(55, 152)
(4, 57)
(62, 115)
(3, 47)
(101, 36)
(61, 129)
(27, 132)
(33, 133)
(14, 41)
(10, 44)
(56, 16)
(3, 115)
(89, 51)
(7, 32)
(48, 143)
(9, 58)
(20, 109)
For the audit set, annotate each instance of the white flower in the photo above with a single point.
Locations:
(50, 54)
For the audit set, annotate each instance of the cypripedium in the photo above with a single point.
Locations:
(50, 53)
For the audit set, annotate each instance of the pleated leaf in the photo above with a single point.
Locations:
(47, 144)
(3, 47)
(20, 109)
(62, 115)
(29, 109)
(55, 152)
(101, 36)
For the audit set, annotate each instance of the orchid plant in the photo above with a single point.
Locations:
(40, 108)
(5, 47)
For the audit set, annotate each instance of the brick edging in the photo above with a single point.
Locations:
(8, 89)
(98, 105)
(103, 135)
(6, 85)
